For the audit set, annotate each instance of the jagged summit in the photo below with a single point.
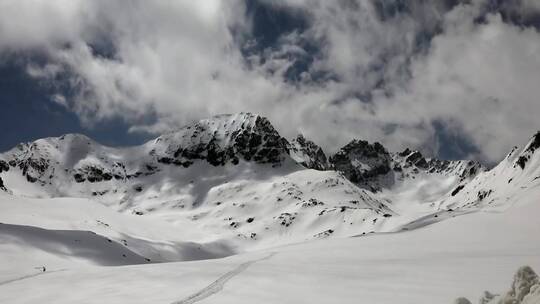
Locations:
(363, 163)
(308, 154)
(222, 139)
(529, 151)
(228, 140)
(371, 166)
(237, 179)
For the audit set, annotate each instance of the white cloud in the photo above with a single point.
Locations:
(180, 61)
(531, 6)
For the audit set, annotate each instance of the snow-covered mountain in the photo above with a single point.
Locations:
(517, 173)
(371, 166)
(236, 178)
(232, 185)
(308, 154)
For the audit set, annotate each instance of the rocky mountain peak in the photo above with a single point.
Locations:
(362, 162)
(307, 153)
(529, 151)
(222, 139)
(414, 158)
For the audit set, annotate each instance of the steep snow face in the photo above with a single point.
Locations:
(299, 206)
(308, 154)
(528, 152)
(518, 173)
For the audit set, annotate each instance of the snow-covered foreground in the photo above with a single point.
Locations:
(460, 256)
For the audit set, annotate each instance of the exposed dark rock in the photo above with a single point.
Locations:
(405, 152)
(362, 162)
(94, 174)
(308, 154)
(79, 178)
(324, 234)
(30, 178)
(417, 159)
(482, 194)
(286, 219)
(2, 186)
(34, 169)
(458, 188)
(522, 160)
(535, 143)
(529, 150)
(258, 142)
(4, 166)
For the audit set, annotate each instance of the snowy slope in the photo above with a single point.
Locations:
(235, 178)
(518, 173)
(231, 185)
(231, 176)
(436, 264)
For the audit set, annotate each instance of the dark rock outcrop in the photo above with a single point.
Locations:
(4, 166)
(531, 148)
(254, 139)
(417, 159)
(308, 154)
(362, 163)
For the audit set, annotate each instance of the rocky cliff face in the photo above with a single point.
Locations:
(410, 163)
(223, 139)
(372, 167)
(528, 152)
(363, 163)
(308, 154)
(4, 167)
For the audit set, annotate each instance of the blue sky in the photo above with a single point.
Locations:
(455, 79)
(28, 114)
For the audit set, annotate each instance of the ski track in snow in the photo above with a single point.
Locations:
(218, 284)
(29, 276)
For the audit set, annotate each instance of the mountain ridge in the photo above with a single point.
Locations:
(236, 177)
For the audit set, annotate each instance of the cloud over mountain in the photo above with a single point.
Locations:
(407, 73)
